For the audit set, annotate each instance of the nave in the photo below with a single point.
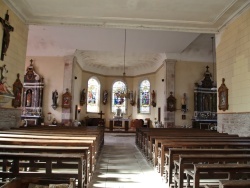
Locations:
(121, 165)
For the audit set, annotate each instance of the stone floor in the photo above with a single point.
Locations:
(121, 165)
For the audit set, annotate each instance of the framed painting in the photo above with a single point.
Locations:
(171, 103)
(66, 99)
(223, 96)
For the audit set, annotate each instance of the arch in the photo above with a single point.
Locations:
(119, 100)
(144, 96)
(93, 95)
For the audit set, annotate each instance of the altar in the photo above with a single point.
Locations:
(119, 123)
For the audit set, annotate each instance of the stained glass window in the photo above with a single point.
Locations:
(93, 95)
(144, 97)
(118, 97)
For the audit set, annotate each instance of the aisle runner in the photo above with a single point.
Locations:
(121, 165)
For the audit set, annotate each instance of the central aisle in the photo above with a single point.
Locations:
(121, 165)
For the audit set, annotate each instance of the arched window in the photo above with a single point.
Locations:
(144, 93)
(118, 97)
(93, 96)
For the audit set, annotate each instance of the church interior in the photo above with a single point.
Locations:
(118, 92)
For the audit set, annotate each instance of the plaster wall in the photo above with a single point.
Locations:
(76, 90)
(16, 53)
(14, 61)
(233, 64)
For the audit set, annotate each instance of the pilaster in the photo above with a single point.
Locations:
(169, 117)
(67, 114)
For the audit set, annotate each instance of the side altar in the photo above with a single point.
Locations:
(205, 101)
(32, 102)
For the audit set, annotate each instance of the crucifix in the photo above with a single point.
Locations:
(100, 113)
(7, 28)
(101, 121)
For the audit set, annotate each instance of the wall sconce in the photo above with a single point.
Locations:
(78, 110)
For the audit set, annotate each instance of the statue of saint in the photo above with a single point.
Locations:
(83, 97)
(184, 99)
(28, 98)
(153, 103)
(54, 97)
(105, 97)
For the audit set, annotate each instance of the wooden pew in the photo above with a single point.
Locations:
(72, 134)
(25, 182)
(48, 158)
(152, 138)
(230, 169)
(143, 134)
(156, 140)
(186, 163)
(174, 153)
(84, 151)
(234, 183)
(147, 136)
(197, 144)
(43, 137)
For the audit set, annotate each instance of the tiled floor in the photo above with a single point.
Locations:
(121, 165)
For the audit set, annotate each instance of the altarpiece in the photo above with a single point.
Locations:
(32, 101)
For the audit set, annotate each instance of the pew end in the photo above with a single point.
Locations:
(26, 182)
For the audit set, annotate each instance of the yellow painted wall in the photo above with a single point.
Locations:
(160, 89)
(16, 53)
(233, 62)
(77, 88)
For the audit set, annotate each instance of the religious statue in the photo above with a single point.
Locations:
(153, 103)
(2, 70)
(4, 87)
(54, 122)
(183, 103)
(82, 97)
(17, 90)
(105, 97)
(54, 99)
(131, 98)
(7, 28)
(118, 113)
(28, 98)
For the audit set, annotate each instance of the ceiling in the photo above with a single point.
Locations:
(94, 30)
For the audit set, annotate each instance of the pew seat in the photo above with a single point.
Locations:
(27, 182)
(48, 170)
(203, 171)
(234, 183)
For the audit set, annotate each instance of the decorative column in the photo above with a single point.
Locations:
(169, 117)
(67, 114)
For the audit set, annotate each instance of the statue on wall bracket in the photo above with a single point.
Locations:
(54, 99)
(132, 98)
(17, 90)
(153, 103)
(105, 97)
(82, 97)
(223, 96)
(171, 103)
